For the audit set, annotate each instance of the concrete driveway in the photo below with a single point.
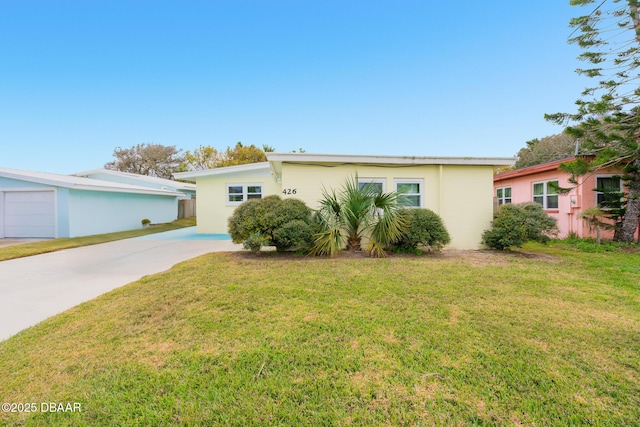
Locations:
(35, 288)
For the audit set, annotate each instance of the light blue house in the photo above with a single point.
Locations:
(37, 204)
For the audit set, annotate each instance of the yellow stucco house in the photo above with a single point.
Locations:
(459, 189)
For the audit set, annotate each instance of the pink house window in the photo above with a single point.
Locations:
(503, 195)
(608, 191)
(546, 193)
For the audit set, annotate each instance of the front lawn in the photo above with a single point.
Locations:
(549, 336)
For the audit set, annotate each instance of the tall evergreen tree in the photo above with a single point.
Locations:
(607, 121)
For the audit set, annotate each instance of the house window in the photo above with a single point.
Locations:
(238, 193)
(608, 191)
(411, 192)
(504, 195)
(546, 193)
(376, 184)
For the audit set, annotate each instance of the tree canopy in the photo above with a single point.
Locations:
(207, 157)
(147, 159)
(547, 149)
(607, 120)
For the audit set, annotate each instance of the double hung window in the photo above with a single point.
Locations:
(411, 192)
(546, 193)
(504, 195)
(375, 184)
(608, 191)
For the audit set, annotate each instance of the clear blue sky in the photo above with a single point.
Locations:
(429, 77)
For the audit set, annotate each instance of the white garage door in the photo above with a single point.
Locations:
(29, 214)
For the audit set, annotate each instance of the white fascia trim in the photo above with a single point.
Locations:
(397, 160)
(135, 190)
(143, 178)
(102, 185)
(222, 171)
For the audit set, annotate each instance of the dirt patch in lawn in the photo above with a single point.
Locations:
(474, 257)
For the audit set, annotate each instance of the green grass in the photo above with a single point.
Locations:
(29, 249)
(550, 336)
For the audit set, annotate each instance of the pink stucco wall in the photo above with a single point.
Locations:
(570, 205)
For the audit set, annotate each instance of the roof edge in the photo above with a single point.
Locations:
(380, 159)
(222, 170)
(531, 170)
(82, 183)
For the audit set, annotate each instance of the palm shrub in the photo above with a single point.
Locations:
(513, 225)
(424, 229)
(271, 221)
(352, 214)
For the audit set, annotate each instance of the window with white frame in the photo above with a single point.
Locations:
(546, 193)
(241, 192)
(411, 192)
(377, 185)
(608, 191)
(504, 195)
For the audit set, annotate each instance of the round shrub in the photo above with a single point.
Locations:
(513, 225)
(271, 221)
(424, 229)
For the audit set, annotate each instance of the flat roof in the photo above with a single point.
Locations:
(277, 159)
(144, 178)
(81, 183)
(250, 167)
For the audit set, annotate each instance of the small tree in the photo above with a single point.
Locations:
(513, 225)
(595, 219)
(353, 214)
(271, 221)
(424, 228)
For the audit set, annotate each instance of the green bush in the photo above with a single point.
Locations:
(255, 242)
(271, 221)
(293, 234)
(513, 225)
(424, 229)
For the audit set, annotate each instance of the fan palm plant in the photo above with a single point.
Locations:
(356, 213)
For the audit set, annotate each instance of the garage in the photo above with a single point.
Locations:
(46, 205)
(29, 214)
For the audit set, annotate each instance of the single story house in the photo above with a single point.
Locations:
(459, 189)
(540, 184)
(45, 205)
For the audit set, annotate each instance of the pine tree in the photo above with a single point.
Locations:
(607, 121)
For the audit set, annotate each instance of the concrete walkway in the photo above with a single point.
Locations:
(35, 288)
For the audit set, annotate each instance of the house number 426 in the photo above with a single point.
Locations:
(289, 191)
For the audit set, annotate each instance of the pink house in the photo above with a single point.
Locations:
(539, 184)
